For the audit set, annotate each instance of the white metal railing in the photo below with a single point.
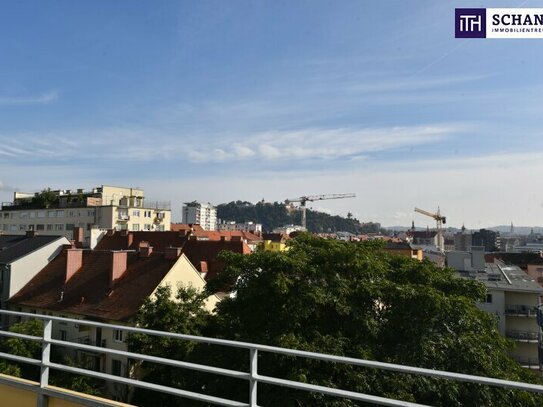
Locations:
(252, 376)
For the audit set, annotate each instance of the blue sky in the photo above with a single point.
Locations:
(216, 101)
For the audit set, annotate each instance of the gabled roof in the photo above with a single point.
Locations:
(275, 237)
(130, 240)
(89, 291)
(197, 251)
(203, 254)
(13, 247)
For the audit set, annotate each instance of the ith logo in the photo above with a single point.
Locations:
(470, 23)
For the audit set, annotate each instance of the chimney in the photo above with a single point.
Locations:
(118, 264)
(145, 249)
(78, 238)
(31, 233)
(171, 253)
(74, 262)
(129, 240)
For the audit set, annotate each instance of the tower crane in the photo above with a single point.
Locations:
(311, 198)
(440, 221)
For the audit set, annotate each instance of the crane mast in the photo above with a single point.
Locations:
(311, 198)
(440, 221)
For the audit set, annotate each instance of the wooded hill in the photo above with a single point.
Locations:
(276, 214)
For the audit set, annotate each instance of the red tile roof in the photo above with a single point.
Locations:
(197, 251)
(89, 292)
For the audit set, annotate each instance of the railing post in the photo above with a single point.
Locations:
(253, 363)
(45, 358)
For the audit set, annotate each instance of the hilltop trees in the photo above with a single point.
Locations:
(354, 300)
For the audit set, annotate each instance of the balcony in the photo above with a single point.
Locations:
(521, 311)
(25, 393)
(523, 336)
(123, 217)
(528, 363)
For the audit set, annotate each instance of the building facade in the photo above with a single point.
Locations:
(201, 214)
(512, 296)
(106, 207)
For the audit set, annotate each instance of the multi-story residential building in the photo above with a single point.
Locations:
(232, 226)
(404, 249)
(106, 207)
(201, 214)
(512, 296)
(463, 240)
(109, 286)
(489, 239)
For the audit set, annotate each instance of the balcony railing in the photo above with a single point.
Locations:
(521, 310)
(522, 336)
(252, 376)
(529, 363)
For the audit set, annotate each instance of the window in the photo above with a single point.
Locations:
(22, 227)
(41, 214)
(118, 335)
(32, 214)
(135, 227)
(161, 228)
(6, 215)
(60, 214)
(62, 334)
(489, 298)
(51, 214)
(136, 213)
(49, 226)
(59, 226)
(23, 215)
(13, 228)
(71, 214)
(90, 212)
(146, 227)
(40, 227)
(116, 367)
(70, 226)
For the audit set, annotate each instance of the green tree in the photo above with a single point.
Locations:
(341, 298)
(183, 313)
(45, 198)
(356, 300)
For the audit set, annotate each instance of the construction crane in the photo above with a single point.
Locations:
(440, 221)
(304, 199)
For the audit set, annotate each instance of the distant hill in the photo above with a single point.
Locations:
(276, 214)
(519, 230)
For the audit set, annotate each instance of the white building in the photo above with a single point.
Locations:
(106, 207)
(232, 226)
(512, 296)
(201, 214)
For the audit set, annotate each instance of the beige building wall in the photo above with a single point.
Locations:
(184, 273)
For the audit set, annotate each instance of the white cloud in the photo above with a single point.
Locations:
(41, 99)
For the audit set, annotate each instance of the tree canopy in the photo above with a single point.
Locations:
(356, 300)
(274, 215)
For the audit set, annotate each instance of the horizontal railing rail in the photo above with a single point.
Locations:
(522, 335)
(252, 376)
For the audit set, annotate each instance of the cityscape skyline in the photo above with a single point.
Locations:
(218, 102)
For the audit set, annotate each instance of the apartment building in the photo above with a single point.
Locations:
(232, 226)
(109, 286)
(201, 214)
(102, 208)
(512, 296)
